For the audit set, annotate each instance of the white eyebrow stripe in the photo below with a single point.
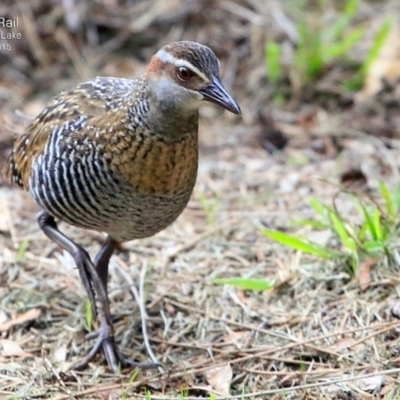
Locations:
(169, 58)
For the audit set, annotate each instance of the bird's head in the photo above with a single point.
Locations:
(185, 74)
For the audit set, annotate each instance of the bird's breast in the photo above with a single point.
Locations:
(156, 167)
(156, 180)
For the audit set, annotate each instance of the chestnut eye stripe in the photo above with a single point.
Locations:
(166, 57)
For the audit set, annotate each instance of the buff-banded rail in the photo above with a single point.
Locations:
(118, 156)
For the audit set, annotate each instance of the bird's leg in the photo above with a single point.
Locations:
(102, 259)
(94, 279)
(105, 333)
(92, 282)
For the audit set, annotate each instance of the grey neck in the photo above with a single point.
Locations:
(170, 114)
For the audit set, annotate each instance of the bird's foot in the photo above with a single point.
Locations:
(115, 359)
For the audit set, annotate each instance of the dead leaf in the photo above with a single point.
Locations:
(3, 317)
(60, 354)
(388, 387)
(364, 277)
(220, 379)
(13, 349)
(395, 307)
(33, 313)
(235, 337)
(241, 294)
(371, 383)
(343, 345)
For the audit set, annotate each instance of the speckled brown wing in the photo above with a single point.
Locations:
(29, 145)
(83, 101)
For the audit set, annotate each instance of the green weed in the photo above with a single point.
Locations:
(128, 386)
(272, 59)
(184, 393)
(273, 62)
(246, 283)
(356, 81)
(210, 206)
(22, 250)
(319, 45)
(89, 316)
(371, 238)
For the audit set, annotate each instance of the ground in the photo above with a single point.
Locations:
(319, 333)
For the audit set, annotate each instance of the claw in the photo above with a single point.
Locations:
(115, 359)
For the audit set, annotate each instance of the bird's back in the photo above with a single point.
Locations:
(93, 159)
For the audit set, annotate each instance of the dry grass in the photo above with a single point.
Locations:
(316, 335)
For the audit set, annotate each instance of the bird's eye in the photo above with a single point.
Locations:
(184, 74)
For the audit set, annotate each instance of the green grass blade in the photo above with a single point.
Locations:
(247, 283)
(377, 45)
(336, 30)
(134, 375)
(299, 244)
(342, 232)
(354, 264)
(308, 58)
(89, 315)
(370, 222)
(396, 198)
(351, 8)
(316, 59)
(311, 223)
(385, 231)
(363, 232)
(22, 249)
(374, 246)
(377, 224)
(321, 209)
(390, 205)
(273, 60)
(301, 55)
(210, 206)
(340, 49)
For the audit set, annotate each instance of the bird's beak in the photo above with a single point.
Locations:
(217, 94)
